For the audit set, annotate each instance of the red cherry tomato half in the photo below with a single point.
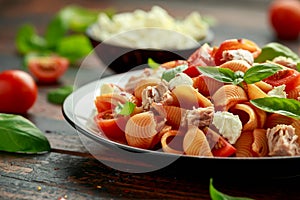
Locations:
(234, 44)
(18, 91)
(112, 127)
(284, 18)
(48, 69)
(289, 77)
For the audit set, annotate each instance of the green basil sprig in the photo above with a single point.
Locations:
(57, 96)
(152, 64)
(283, 106)
(254, 74)
(217, 195)
(170, 73)
(125, 109)
(18, 134)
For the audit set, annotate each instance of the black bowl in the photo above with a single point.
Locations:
(122, 59)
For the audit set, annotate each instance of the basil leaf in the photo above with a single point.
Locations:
(58, 95)
(260, 71)
(283, 106)
(273, 50)
(221, 74)
(55, 31)
(170, 73)
(74, 47)
(27, 40)
(125, 109)
(152, 64)
(217, 195)
(18, 134)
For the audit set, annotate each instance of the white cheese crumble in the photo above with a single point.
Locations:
(180, 79)
(108, 88)
(278, 91)
(228, 124)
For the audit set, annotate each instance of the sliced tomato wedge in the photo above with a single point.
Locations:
(47, 69)
(234, 44)
(289, 77)
(192, 71)
(220, 146)
(113, 127)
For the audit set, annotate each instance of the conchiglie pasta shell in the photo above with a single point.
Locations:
(227, 96)
(206, 85)
(188, 97)
(254, 92)
(244, 145)
(174, 115)
(142, 84)
(171, 142)
(260, 142)
(247, 115)
(294, 93)
(260, 114)
(141, 130)
(266, 87)
(195, 143)
(236, 65)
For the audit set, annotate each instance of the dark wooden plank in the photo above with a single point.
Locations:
(86, 178)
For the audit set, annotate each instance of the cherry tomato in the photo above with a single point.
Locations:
(289, 77)
(112, 127)
(48, 69)
(284, 18)
(234, 44)
(18, 91)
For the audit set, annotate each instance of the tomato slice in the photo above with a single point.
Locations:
(48, 69)
(192, 71)
(113, 127)
(234, 44)
(289, 77)
(220, 146)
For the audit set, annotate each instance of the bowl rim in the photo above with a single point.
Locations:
(207, 39)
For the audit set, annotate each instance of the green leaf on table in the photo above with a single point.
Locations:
(283, 106)
(260, 71)
(57, 96)
(77, 18)
(55, 31)
(220, 74)
(27, 40)
(18, 134)
(74, 47)
(273, 50)
(217, 195)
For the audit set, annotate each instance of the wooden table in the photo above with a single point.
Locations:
(69, 171)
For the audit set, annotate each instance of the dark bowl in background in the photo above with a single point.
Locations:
(122, 59)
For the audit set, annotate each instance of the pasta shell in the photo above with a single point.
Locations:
(294, 93)
(260, 114)
(236, 65)
(173, 64)
(266, 87)
(244, 145)
(142, 84)
(206, 85)
(174, 115)
(188, 97)
(227, 96)
(195, 143)
(254, 92)
(247, 115)
(171, 142)
(142, 130)
(260, 142)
